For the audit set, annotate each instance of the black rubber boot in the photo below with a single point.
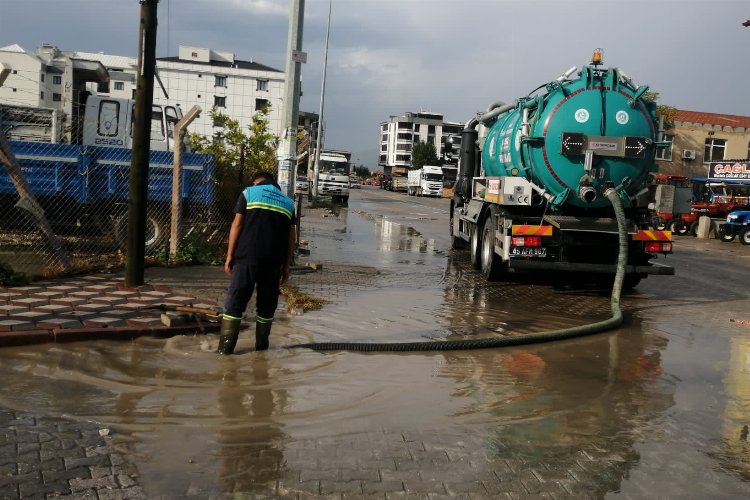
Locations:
(262, 332)
(230, 330)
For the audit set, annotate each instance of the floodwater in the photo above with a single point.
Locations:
(616, 412)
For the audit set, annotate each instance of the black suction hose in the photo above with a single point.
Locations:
(532, 338)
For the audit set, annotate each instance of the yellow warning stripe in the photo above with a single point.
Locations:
(649, 235)
(527, 230)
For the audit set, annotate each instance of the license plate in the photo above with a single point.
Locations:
(528, 251)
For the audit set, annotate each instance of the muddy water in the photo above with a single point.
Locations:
(197, 424)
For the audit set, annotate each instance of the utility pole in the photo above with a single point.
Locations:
(138, 183)
(287, 153)
(319, 137)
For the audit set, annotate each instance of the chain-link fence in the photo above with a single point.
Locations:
(64, 183)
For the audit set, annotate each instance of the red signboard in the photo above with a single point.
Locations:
(731, 170)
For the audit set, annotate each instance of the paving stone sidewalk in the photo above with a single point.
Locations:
(95, 306)
(44, 458)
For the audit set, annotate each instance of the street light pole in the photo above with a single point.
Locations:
(319, 142)
(287, 152)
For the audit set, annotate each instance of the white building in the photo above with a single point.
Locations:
(196, 76)
(399, 134)
(203, 77)
(49, 78)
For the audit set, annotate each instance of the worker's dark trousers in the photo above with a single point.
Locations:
(244, 280)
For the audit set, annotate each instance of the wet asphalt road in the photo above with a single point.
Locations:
(659, 408)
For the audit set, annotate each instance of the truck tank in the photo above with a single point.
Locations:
(589, 131)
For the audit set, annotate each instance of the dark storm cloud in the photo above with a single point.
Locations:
(387, 57)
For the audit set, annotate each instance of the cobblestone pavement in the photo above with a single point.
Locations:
(44, 458)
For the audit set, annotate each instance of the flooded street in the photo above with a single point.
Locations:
(658, 408)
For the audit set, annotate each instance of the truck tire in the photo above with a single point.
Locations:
(492, 264)
(745, 236)
(475, 247)
(456, 242)
(156, 232)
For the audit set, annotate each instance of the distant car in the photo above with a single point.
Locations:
(376, 183)
(301, 185)
(354, 184)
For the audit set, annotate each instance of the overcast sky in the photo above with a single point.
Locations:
(387, 57)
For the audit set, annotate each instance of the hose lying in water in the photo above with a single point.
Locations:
(533, 338)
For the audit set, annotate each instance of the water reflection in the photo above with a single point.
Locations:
(397, 237)
(250, 440)
(735, 454)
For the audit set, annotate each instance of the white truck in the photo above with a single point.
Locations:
(426, 181)
(105, 121)
(333, 174)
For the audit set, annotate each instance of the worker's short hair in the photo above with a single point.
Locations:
(264, 176)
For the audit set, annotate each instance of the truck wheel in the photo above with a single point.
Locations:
(475, 248)
(660, 224)
(492, 264)
(156, 232)
(694, 229)
(745, 236)
(456, 242)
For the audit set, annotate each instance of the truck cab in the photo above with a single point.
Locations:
(109, 123)
(426, 181)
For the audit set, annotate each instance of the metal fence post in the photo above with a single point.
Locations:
(179, 136)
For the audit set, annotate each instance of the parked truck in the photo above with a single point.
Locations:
(537, 175)
(81, 177)
(425, 181)
(333, 174)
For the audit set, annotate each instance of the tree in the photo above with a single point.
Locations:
(423, 154)
(668, 112)
(238, 155)
(362, 172)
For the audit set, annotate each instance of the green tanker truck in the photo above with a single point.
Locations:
(535, 177)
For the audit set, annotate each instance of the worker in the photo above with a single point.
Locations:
(261, 246)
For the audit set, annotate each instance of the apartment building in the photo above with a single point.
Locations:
(399, 134)
(195, 76)
(48, 78)
(204, 77)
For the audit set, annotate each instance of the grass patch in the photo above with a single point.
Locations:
(299, 300)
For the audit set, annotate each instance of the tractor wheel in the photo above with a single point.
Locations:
(745, 236)
(678, 226)
(660, 224)
(727, 237)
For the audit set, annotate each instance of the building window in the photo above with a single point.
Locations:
(714, 150)
(133, 93)
(57, 97)
(41, 95)
(220, 81)
(102, 87)
(57, 80)
(384, 147)
(42, 76)
(383, 158)
(261, 85)
(748, 150)
(260, 104)
(220, 102)
(119, 85)
(194, 54)
(665, 153)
